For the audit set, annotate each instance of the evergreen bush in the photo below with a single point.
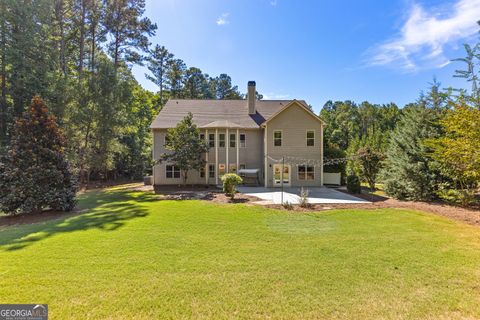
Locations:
(353, 184)
(34, 174)
(409, 173)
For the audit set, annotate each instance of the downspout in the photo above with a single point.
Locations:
(206, 158)
(216, 157)
(153, 156)
(265, 147)
(238, 146)
(321, 153)
(227, 148)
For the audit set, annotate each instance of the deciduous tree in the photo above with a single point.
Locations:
(184, 147)
(458, 150)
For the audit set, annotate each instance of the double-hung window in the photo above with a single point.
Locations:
(172, 172)
(202, 172)
(277, 138)
(306, 172)
(233, 141)
(243, 139)
(221, 140)
(310, 138)
(211, 171)
(211, 140)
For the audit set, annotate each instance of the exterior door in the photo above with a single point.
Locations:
(277, 175)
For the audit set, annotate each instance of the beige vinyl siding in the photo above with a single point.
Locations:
(160, 169)
(251, 156)
(294, 122)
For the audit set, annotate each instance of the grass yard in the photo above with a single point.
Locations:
(132, 256)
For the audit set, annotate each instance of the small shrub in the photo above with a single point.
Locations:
(303, 201)
(353, 184)
(287, 205)
(457, 196)
(230, 183)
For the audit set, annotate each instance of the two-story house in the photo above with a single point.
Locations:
(253, 136)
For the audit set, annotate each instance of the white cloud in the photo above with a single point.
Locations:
(424, 36)
(223, 19)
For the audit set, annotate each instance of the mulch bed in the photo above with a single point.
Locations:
(195, 192)
(219, 197)
(470, 216)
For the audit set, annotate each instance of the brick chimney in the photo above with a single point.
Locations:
(251, 96)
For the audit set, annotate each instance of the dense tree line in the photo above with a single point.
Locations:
(77, 56)
(425, 150)
(172, 75)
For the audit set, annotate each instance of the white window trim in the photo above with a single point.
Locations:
(173, 172)
(224, 140)
(306, 165)
(281, 138)
(290, 174)
(214, 170)
(306, 137)
(240, 141)
(230, 140)
(214, 140)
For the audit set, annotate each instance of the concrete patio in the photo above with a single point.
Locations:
(292, 195)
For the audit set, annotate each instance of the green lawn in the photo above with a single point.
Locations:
(132, 256)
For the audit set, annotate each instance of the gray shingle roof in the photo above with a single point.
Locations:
(221, 124)
(214, 113)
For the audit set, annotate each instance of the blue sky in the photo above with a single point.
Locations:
(380, 51)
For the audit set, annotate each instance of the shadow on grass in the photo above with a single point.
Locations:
(366, 194)
(106, 211)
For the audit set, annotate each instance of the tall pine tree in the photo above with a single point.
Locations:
(159, 63)
(128, 29)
